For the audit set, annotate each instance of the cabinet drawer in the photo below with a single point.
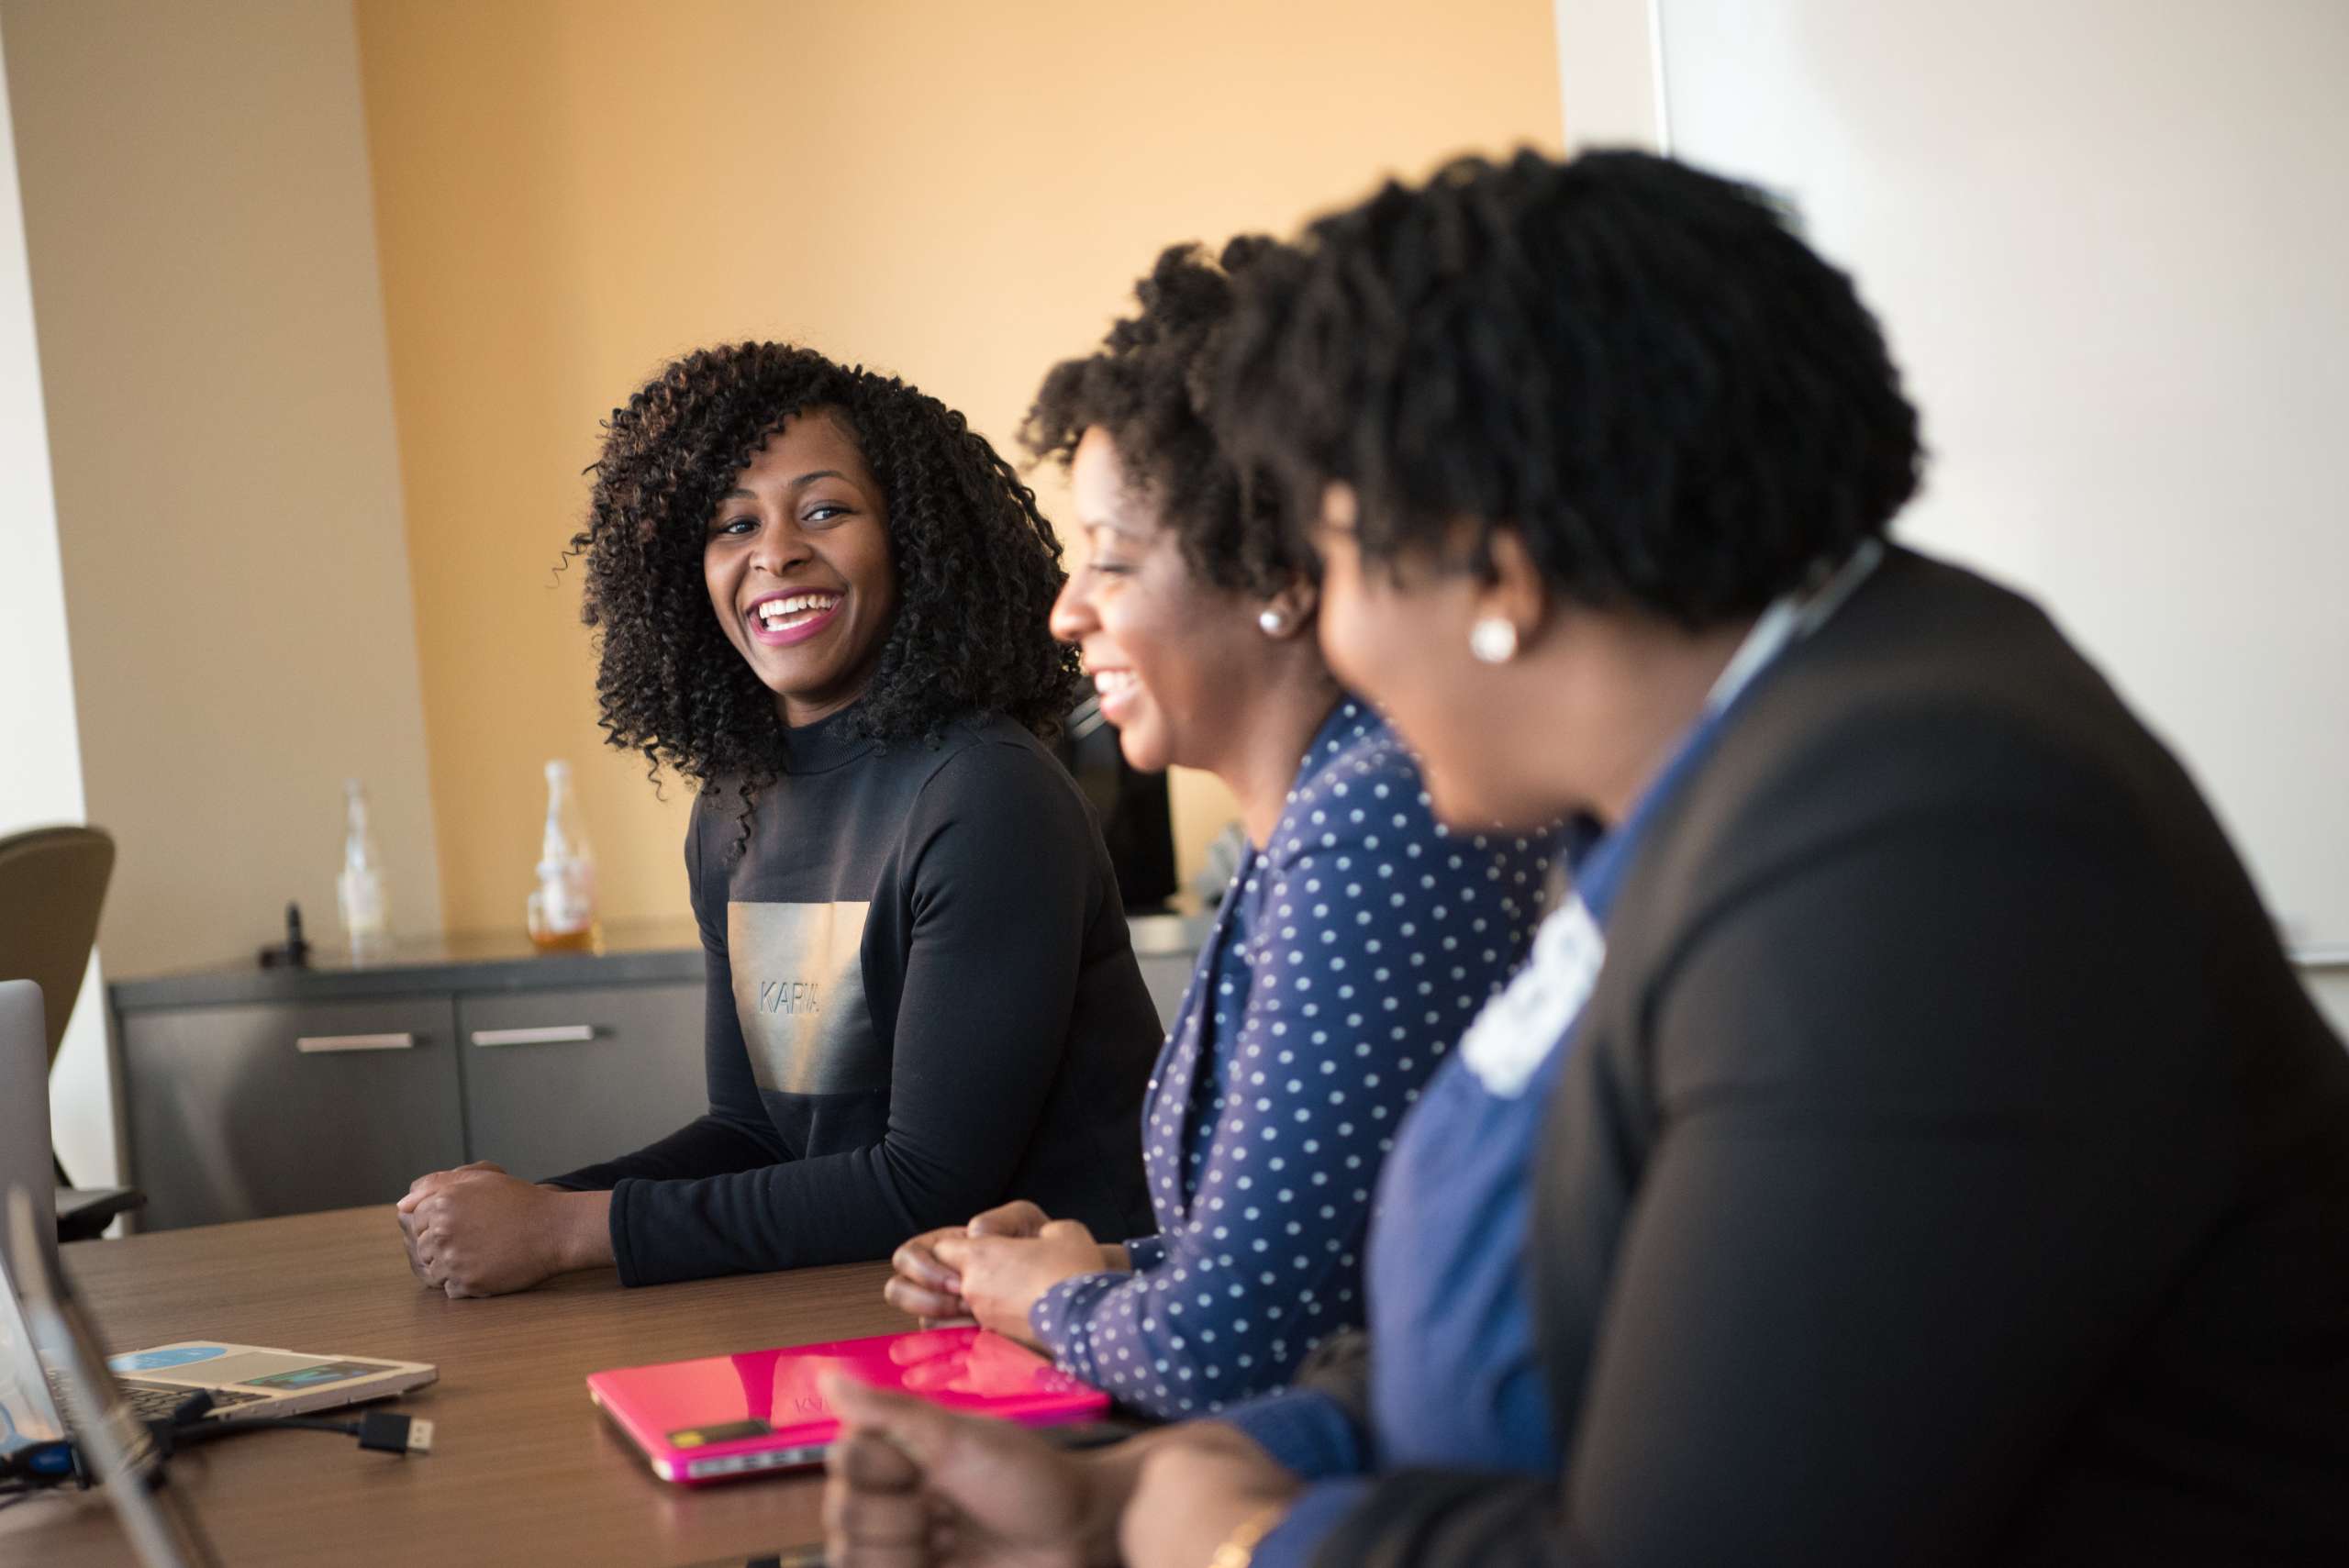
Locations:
(243, 1112)
(558, 1079)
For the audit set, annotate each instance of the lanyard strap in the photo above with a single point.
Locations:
(1791, 617)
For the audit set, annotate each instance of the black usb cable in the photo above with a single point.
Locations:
(37, 1467)
(384, 1431)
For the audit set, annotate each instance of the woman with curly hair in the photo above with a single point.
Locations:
(1308, 1028)
(822, 598)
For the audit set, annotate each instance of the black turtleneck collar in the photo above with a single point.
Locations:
(830, 743)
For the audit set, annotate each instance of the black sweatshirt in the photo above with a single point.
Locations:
(923, 1000)
(1950, 1168)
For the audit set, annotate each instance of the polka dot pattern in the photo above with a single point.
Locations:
(1346, 958)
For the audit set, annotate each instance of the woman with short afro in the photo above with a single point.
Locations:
(821, 597)
(1299, 1046)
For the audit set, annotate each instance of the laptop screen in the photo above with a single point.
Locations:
(27, 1414)
(24, 1104)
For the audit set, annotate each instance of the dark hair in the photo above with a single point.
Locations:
(1148, 386)
(978, 566)
(1677, 402)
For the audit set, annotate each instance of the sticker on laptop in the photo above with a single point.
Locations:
(160, 1361)
(314, 1374)
(725, 1432)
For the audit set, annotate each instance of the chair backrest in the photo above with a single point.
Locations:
(52, 885)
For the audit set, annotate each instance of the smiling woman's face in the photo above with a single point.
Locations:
(1169, 651)
(797, 559)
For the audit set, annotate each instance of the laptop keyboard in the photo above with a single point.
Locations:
(151, 1402)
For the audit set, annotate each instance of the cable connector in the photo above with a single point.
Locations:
(388, 1431)
(43, 1464)
(385, 1431)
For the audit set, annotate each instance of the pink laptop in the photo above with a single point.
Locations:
(724, 1417)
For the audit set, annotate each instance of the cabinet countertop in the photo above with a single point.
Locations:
(632, 952)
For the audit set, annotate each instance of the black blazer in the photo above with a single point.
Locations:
(1950, 1169)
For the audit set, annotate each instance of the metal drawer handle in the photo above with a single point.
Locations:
(554, 1034)
(316, 1042)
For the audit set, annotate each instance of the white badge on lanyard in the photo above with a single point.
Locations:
(1521, 1026)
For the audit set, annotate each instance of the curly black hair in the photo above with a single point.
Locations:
(978, 566)
(1680, 406)
(1148, 386)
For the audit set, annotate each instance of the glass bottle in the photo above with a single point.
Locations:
(359, 891)
(562, 905)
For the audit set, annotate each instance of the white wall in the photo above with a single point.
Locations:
(198, 215)
(40, 760)
(2110, 245)
(1610, 89)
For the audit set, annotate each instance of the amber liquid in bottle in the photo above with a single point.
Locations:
(562, 905)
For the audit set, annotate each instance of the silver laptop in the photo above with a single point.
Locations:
(244, 1380)
(24, 1104)
(115, 1446)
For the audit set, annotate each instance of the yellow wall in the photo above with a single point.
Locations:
(570, 191)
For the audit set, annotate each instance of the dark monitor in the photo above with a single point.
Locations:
(1136, 819)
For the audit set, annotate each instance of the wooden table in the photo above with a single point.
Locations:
(523, 1468)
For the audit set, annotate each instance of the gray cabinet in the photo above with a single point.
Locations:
(1167, 948)
(557, 1079)
(250, 1092)
(1168, 975)
(243, 1112)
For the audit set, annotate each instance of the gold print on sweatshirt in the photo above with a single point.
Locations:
(799, 994)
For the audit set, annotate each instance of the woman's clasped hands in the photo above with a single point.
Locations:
(996, 1268)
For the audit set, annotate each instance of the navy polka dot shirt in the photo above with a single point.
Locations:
(1347, 957)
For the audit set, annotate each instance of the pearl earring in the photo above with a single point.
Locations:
(1492, 639)
(1273, 622)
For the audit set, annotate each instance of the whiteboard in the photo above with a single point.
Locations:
(2110, 241)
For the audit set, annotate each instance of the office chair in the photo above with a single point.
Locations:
(52, 886)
